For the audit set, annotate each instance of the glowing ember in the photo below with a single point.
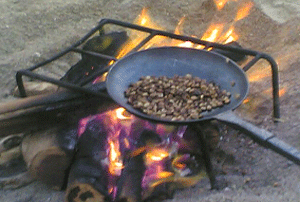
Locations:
(165, 174)
(157, 155)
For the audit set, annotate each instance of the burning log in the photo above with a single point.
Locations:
(130, 183)
(104, 44)
(88, 178)
(46, 159)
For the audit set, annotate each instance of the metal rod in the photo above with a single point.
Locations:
(94, 54)
(61, 83)
(275, 84)
(142, 43)
(251, 63)
(275, 81)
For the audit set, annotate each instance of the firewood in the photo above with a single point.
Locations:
(15, 181)
(130, 182)
(45, 111)
(36, 88)
(83, 192)
(45, 159)
(10, 142)
(9, 155)
(88, 177)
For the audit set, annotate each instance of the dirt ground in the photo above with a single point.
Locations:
(32, 31)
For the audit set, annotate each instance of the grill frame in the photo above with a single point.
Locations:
(29, 72)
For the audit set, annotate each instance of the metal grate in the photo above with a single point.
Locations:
(152, 33)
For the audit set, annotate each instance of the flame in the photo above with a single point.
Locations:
(179, 165)
(221, 3)
(244, 11)
(115, 164)
(281, 93)
(157, 155)
(164, 174)
(258, 76)
(136, 37)
(229, 36)
(213, 32)
(246, 101)
(120, 113)
(179, 26)
(115, 157)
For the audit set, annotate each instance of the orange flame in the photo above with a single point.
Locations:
(258, 76)
(115, 164)
(229, 36)
(221, 3)
(282, 92)
(115, 158)
(246, 101)
(136, 36)
(164, 174)
(244, 11)
(120, 113)
(157, 155)
(213, 32)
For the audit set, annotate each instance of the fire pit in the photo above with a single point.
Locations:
(137, 145)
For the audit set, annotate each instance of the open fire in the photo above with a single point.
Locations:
(170, 153)
(126, 158)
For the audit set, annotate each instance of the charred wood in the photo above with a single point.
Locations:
(108, 44)
(83, 192)
(88, 174)
(130, 183)
(36, 113)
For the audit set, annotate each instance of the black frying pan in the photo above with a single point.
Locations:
(168, 61)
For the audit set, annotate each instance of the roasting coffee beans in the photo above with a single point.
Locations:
(177, 98)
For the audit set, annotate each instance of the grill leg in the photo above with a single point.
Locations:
(206, 157)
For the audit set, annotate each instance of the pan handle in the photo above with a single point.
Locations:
(261, 136)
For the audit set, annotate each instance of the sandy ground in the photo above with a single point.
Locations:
(31, 31)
